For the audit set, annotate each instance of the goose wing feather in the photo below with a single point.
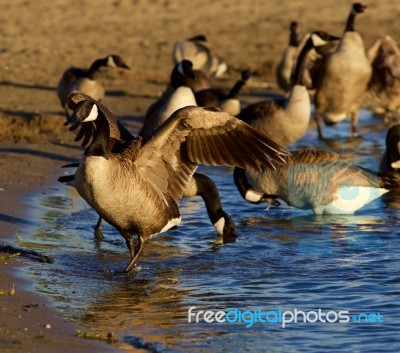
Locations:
(195, 135)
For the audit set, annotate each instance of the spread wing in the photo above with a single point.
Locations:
(195, 135)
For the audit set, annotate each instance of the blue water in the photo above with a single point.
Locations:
(283, 259)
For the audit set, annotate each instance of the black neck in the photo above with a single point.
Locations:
(100, 143)
(209, 193)
(298, 72)
(94, 68)
(234, 92)
(293, 41)
(242, 184)
(350, 22)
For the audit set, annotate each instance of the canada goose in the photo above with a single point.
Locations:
(342, 78)
(391, 158)
(227, 102)
(285, 120)
(89, 81)
(285, 67)
(383, 94)
(197, 81)
(315, 180)
(136, 187)
(198, 50)
(181, 96)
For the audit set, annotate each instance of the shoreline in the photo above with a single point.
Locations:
(28, 321)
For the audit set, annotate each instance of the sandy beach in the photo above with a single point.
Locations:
(39, 40)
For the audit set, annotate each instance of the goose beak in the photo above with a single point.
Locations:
(71, 120)
(124, 66)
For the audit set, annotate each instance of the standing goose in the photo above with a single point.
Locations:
(285, 120)
(89, 81)
(342, 78)
(182, 77)
(383, 95)
(198, 50)
(180, 96)
(391, 158)
(315, 180)
(227, 102)
(285, 67)
(136, 187)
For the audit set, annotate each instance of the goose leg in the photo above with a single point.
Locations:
(97, 229)
(354, 123)
(135, 253)
(319, 127)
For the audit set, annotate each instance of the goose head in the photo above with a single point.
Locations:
(116, 61)
(198, 38)
(84, 111)
(358, 8)
(182, 74)
(226, 227)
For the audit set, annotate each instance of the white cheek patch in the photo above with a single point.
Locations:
(253, 196)
(219, 225)
(395, 165)
(222, 68)
(317, 40)
(111, 62)
(93, 114)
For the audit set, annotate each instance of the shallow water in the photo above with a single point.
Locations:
(283, 259)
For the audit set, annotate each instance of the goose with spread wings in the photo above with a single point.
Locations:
(136, 188)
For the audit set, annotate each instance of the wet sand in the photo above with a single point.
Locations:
(39, 40)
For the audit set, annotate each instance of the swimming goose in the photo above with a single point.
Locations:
(181, 96)
(285, 120)
(342, 78)
(136, 187)
(383, 94)
(227, 102)
(198, 50)
(285, 67)
(391, 158)
(315, 180)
